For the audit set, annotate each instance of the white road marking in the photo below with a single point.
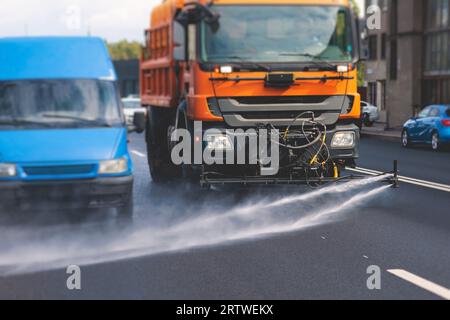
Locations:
(139, 154)
(422, 183)
(422, 283)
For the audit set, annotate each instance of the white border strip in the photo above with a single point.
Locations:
(422, 183)
(422, 283)
(139, 154)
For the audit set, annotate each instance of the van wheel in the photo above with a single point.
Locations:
(435, 142)
(127, 209)
(160, 164)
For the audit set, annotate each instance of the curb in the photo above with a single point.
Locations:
(381, 136)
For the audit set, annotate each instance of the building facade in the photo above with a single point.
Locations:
(376, 67)
(409, 60)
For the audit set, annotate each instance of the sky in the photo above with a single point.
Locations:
(110, 19)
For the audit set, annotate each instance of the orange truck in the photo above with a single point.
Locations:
(285, 67)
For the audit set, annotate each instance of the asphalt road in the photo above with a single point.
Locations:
(405, 229)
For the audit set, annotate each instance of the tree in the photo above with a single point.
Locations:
(125, 50)
(355, 7)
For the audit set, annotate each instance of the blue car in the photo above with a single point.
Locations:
(63, 137)
(430, 127)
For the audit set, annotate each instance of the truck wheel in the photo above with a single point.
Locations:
(160, 164)
(191, 176)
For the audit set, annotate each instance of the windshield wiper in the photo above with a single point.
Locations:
(246, 64)
(75, 118)
(314, 58)
(21, 122)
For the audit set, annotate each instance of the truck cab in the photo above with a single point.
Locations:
(250, 65)
(63, 137)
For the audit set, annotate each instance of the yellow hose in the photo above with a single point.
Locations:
(336, 171)
(314, 159)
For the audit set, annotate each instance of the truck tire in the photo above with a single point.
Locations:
(190, 176)
(159, 161)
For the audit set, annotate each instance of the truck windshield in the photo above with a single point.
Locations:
(59, 103)
(285, 34)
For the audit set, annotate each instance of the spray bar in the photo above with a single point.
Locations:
(392, 178)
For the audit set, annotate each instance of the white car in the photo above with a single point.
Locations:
(369, 114)
(131, 105)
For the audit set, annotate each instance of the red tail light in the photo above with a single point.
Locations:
(446, 122)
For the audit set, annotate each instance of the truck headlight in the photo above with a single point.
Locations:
(343, 140)
(7, 170)
(220, 142)
(113, 166)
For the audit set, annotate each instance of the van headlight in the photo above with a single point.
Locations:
(8, 170)
(343, 140)
(113, 166)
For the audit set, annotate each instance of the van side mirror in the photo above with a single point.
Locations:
(139, 122)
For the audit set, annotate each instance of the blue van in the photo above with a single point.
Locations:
(63, 135)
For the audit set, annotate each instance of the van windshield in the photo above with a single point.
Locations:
(59, 103)
(278, 33)
(132, 104)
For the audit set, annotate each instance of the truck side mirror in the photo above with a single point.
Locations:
(363, 49)
(139, 122)
(362, 33)
(363, 53)
(179, 42)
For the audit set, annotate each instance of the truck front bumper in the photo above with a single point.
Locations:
(92, 193)
(288, 174)
(347, 153)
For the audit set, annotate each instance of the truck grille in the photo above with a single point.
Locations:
(280, 110)
(282, 100)
(276, 115)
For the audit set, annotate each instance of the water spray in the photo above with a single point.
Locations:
(58, 247)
